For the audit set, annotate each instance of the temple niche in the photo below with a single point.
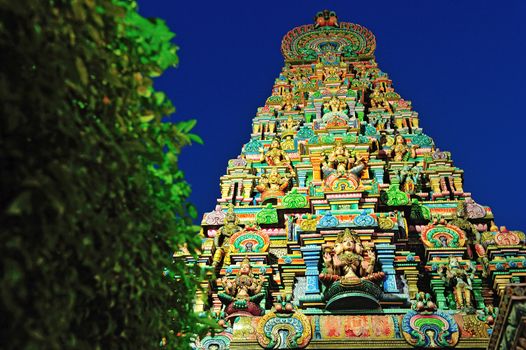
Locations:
(341, 225)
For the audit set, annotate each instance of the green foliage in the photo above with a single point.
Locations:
(91, 207)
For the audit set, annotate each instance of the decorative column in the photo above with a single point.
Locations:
(311, 255)
(302, 177)
(386, 254)
(378, 171)
(316, 165)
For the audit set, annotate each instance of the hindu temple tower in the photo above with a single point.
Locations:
(342, 225)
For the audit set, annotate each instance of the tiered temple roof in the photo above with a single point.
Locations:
(342, 225)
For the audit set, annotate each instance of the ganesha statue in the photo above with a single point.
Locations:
(349, 274)
(242, 292)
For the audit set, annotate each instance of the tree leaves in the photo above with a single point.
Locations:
(92, 203)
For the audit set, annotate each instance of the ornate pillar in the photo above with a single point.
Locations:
(316, 165)
(386, 254)
(311, 255)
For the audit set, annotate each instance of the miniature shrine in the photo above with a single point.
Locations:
(341, 225)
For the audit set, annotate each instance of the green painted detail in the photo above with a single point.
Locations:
(454, 242)
(294, 200)
(422, 140)
(395, 197)
(329, 138)
(275, 100)
(253, 146)
(419, 212)
(370, 130)
(267, 215)
(351, 93)
(305, 133)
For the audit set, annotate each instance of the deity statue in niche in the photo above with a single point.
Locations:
(472, 234)
(288, 101)
(335, 105)
(379, 101)
(341, 163)
(290, 125)
(409, 177)
(242, 294)
(349, 261)
(332, 75)
(273, 184)
(276, 155)
(460, 280)
(401, 151)
(222, 238)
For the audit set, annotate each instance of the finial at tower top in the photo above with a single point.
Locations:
(326, 18)
(348, 41)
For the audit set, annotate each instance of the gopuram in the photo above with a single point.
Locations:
(341, 225)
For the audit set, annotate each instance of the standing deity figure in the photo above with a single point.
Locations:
(273, 185)
(408, 177)
(222, 238)
(349, 261)
(461, 280)
(401, 150)
(242, 294)
(288, 101)
(472, 234)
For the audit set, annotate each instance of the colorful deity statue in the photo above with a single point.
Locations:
(349, 261)
(334, 105)
(472, 234)
(332, 74)
(242, 294)
(341, 162)
(409, 178)
(460, 280)
(401, 151)
(290, 125)
(378, 100)
(222, 238)
(275, 155)
(273, 184)
(288, 101)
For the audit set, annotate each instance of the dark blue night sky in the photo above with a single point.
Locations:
(461, 63)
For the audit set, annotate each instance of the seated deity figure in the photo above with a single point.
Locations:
(290, 125)
(349, 261)
(276, 156)
(401, 151)
(242, 294)
(460, 280)
(222, 238)
(340, 162)
(273, 184)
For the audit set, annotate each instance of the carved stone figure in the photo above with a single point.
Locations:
(340, 161)
(242, 294)
(349, 260)
(275, 155)
(222, 238)
(273, 184)
(460, 280)
(401, 150)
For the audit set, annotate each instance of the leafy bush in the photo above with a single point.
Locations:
(92, 201)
